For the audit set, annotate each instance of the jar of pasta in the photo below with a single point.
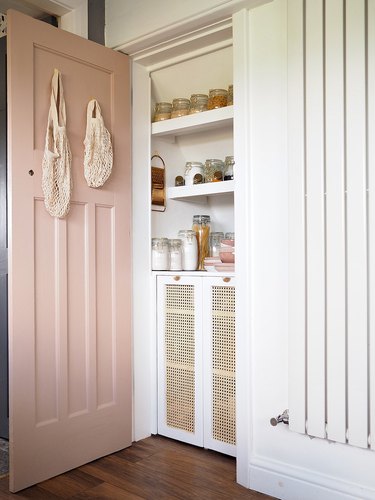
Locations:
(180, 107)
(201, 226)
(162, 111)
(217, 98)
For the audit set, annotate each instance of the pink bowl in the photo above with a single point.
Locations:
(227, 257)
(229, 243)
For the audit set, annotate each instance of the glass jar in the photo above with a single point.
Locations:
(192, 168)
(162, 111)
(160, 254)
(198, 103)
(179, 181)
(180, 107)
(215, 241)
(217, 98)
(201, 226)
(229, 236)
(175, 253)
(210, 167)
(230, 95)
(189, 249)
(229, 168)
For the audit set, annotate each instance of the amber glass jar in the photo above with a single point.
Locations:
(218, 98)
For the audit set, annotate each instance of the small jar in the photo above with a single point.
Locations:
(162, 111)
(160, 254)
(198, 103)
(217, 98)
(189, 249)
(229, 168)
(180, 107)
(192, 168)
(179, 181)
(211, 166)
(215, 240)
(175, 253)
(229, 236)
(201, 226)
(218, 176)
(230, 95)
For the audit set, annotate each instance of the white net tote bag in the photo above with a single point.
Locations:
(98, 158)
(57, 159)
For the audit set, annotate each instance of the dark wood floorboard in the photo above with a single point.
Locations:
(156, 468)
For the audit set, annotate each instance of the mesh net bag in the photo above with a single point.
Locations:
(57, 158)
(98, 157)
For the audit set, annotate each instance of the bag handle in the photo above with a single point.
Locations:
(57, 108)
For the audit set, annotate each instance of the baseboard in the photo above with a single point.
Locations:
(293, 483)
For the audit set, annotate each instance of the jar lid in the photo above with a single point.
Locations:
(199, 97)
(159, 240)
(216, 233)
(163, 105)
(229, 159)
(186, 232)
(181, 100)
(201, 219)
(175, 242)
(194, 164)
(218, 92)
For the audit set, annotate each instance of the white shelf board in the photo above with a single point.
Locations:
(191, 193)
(197, 122)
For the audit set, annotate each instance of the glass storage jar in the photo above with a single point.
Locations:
(160, 260)
(180, 107)
(215, 240)
(162, 111)
(192, 168)
(189, 249)
(229, 168)
(211, 166)
(175, 253)
(217, 98)
(201, 226)
(198, 103)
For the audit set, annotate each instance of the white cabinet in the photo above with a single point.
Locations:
(196, 360)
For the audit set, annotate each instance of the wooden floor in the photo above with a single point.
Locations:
(155, 468)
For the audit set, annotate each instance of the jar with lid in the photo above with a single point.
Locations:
(160, 260)
(189, 249)
(175, 253)
(230, 95)
(217, 98)
(180, 107)
(201, 226)
(229, 236)
(215, 241)
(229, 168)
(198, 103)
(211, 166)
(162, 111)
(192, 168)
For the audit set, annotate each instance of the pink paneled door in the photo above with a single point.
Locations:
(69, 313)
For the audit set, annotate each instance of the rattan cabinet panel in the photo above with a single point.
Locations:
(196, 360)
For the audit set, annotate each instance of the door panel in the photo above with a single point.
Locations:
(69, 286)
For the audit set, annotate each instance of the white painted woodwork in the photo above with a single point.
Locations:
(198, 190)
(69, 290)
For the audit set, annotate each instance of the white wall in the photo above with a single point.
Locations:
(283, 463)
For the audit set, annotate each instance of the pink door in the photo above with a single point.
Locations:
(69, 313)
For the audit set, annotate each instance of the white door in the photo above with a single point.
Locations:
(69, 279)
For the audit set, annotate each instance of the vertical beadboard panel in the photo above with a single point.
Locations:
(315, 216)
(371, 206)
(296, 162)
(356, 223)
(335, 221)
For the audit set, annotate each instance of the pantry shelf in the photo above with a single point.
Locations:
(197, 122)
(195, 192)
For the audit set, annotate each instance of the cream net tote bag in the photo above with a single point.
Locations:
(98, 157)
(57, 159)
